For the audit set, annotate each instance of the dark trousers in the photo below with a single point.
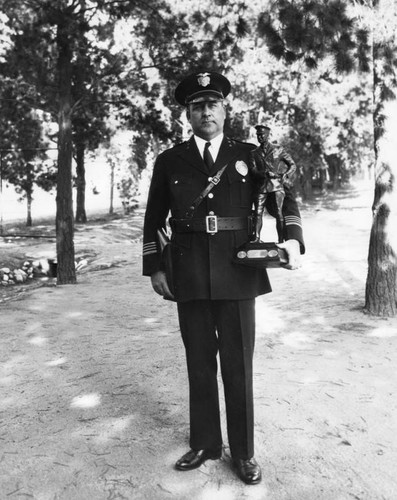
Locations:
(228, 327)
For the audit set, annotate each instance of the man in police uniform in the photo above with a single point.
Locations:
(215, 297)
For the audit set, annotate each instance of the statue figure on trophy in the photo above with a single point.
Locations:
(272, 168)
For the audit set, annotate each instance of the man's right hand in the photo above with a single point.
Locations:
(159, 284)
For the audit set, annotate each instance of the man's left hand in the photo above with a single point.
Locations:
(292, 248)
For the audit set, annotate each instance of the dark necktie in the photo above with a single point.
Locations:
(208, 160)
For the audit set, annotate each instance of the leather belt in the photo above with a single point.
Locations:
(210, 224)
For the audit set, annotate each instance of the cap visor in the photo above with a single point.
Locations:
(204, 96)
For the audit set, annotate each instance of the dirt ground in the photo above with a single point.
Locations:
(93, 386)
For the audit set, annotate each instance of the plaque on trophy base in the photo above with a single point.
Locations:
(260, 254)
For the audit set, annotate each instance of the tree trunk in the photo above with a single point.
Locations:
(29, 199)
(111, 187)
(381, 285)
(306, 183)
(1, 193)
(322, 180)
(66, 272)
(81, 215)
(78, 129)
(334, 169)
(29, 194)
(336, 180)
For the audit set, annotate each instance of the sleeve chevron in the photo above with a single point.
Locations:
(149, 248)
(291, 220)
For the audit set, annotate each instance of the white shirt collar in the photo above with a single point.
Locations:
(214, 148)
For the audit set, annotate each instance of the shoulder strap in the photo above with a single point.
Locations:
(213, 182)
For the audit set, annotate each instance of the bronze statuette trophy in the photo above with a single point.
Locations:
(272, 168)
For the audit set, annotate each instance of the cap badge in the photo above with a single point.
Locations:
(242, 168)
(204, 79)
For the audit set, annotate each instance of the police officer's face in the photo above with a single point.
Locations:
(207, 118)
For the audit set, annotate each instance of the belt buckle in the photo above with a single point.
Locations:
(211, 224)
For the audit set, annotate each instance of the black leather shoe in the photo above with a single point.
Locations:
(248, 470)
(194, 458)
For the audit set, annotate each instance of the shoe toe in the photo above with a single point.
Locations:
(194, 458)
(248, 471)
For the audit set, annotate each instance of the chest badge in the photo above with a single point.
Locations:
(242, 168)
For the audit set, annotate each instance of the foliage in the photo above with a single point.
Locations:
(127, 158)
(25, 162)
(126, 64)
(292, 102)
(291, 30)
(311, 31)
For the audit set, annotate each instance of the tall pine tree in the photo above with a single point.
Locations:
(56, 66)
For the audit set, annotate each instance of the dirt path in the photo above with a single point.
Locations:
(93, 388)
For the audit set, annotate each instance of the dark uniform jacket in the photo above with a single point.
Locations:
(203, 267)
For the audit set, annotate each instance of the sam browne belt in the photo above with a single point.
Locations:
(211, 224)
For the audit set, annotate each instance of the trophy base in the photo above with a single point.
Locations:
(260, 254)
